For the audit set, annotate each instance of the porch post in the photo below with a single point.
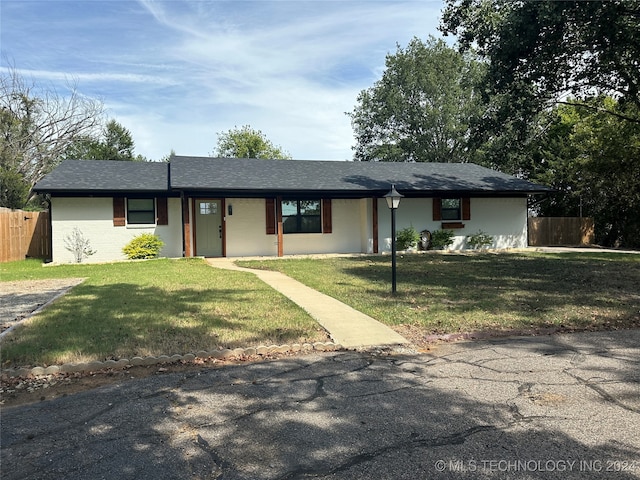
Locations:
(186, 226)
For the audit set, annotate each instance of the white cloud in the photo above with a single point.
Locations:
(57, 76)
(176, 72)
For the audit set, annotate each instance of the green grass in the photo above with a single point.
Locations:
(440, 293)
(178, 306)
(157, 307)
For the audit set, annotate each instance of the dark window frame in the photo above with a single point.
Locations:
(140, 211)
(449, 213)
(300, 225)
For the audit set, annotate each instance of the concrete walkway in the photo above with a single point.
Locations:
(346, 326)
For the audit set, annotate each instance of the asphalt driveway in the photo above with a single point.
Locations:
(565, 406)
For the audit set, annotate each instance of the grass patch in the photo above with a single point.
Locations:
(475, 292)
(156, 307)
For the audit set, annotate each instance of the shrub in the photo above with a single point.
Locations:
(79, 245)
(441, 239)
(479, 240)
(145, 245)
(407, 238)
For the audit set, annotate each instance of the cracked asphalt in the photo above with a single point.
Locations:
(565, 406)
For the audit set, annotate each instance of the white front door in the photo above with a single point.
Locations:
(209, 228)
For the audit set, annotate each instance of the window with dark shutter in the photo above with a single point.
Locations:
(119, 213)
(270, 207)
(452, 211)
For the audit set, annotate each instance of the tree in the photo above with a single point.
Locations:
(13, 189)
(114, 143)
(586, 145)
(167, 158)
(422, 107)
(591, 157)
(37, 126)
(581, 47)
(245, 142)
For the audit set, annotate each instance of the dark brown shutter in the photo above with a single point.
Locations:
(270, 205)
(162, 211)
(119, 212)
(437, 209)
(466, 208)
(326, 215)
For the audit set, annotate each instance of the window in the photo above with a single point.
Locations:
(208, 208)
(301, 216)
(141, 211)
(451, 209)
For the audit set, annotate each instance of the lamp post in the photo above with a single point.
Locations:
(393, 201)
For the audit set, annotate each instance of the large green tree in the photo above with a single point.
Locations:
(246, 142)
(544, 49)
(592, 158)
(422, 108)
(554, 70)
(37, 125)
(113, 143)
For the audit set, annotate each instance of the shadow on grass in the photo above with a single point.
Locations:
(573, 291)
(122, 320)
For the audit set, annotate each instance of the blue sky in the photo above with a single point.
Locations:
(175, 73)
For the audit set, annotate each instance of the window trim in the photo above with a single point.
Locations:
(300, 217)
(465, 209)
(152, 211)
(457, 210)
(271, 215)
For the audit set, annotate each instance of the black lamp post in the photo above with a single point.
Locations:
(393, 201)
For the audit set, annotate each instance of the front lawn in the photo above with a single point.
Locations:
(179, 306)
(157, 307)
(449, 293)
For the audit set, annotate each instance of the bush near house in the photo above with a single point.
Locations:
(479, 240)
(407, 238)
(441, 239)
(143, 246)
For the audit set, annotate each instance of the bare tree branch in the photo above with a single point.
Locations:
(37, 125)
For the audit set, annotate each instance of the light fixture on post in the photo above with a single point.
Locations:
(393, 202)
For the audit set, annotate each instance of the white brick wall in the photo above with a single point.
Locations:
(503, 218)
(94, 217)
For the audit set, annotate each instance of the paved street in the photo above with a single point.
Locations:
(563, 406)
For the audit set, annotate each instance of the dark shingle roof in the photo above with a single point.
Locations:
(257, 177)
(96, 176)
(348, 178)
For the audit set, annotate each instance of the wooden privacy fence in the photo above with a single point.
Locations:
(23, 234)
(549, 231)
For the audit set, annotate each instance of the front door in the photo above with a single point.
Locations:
(208, 227)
